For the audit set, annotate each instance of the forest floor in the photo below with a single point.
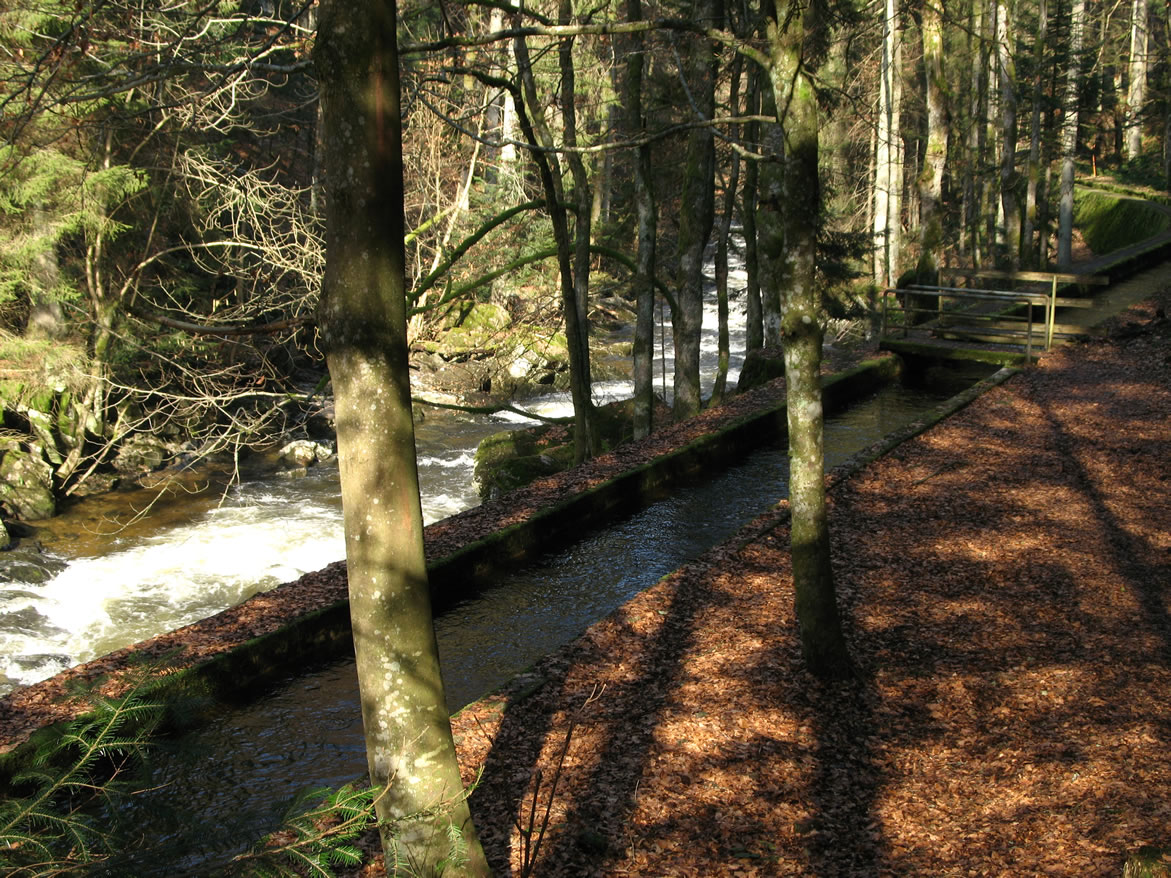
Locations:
(1005, 580)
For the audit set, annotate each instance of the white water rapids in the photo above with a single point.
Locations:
(264, 533)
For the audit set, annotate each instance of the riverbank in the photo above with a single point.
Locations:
(1006, 579)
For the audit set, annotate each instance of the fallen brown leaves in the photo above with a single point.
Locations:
(1005, 577)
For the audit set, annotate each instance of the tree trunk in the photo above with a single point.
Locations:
(590, 444)
(754, 322)
(888, 162)
(1069, 132)
(822, 641)
(1136, 93)
(696, 215)
(931, 179)
(1008, 136)
(46, 317)
(722, 233)
(362, 315)
(974, 142)
(770, 218)
(1031, 249)
(576, 331)
(643, 281)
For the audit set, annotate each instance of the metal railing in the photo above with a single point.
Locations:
(973, 313)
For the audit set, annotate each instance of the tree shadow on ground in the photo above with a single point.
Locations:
(1008, 613)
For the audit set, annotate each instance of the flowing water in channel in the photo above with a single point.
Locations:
(230, 780)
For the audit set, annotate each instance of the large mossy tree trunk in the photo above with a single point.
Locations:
(362, 316)
(794, 36)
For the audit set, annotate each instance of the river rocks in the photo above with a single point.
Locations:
(305, 452)
(140, 454)
(514, 458)
(26, 483)
(481, 349)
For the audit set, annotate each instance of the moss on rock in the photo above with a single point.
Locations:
(511, 459)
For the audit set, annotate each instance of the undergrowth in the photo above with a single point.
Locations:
(60, 814)
(50, 822)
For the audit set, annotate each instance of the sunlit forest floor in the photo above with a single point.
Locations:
(1005, 581)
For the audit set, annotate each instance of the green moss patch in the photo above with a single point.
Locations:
(1111, 222)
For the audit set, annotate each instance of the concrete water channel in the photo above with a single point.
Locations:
(224, 784)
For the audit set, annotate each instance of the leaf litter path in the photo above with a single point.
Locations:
(1004, 577)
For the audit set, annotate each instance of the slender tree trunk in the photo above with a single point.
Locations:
(696, 215)
(931, 179)
(722, 233)
(991, 206)
(754, 324)
(647, 221)
(363, 323)
(770, 218)
(1008, 134)
(583, 199)
(822, 641)
(1030, 248)
(888, 163)
(1136, 93)
(1069, 132)
(576, 331)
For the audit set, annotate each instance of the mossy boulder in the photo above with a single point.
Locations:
(477, 326)
(511, 459)
(140, 454)
(488, 353)
(26, 484)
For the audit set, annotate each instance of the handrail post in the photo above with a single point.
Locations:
(1051, 315)
(1029, 335)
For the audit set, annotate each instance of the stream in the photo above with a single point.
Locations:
(231, 779)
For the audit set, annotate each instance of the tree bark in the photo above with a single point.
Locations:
(696, 215)
(1069, 132)
(1031, 250)
(754, 320)
(822, 641)
(586, 440)
(1011, 223)
(931, 179)
(647, 222)
(888, 162)
(722, 233)
(590, 445)
(770, 218)
(1136, 92)
(363, 324)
